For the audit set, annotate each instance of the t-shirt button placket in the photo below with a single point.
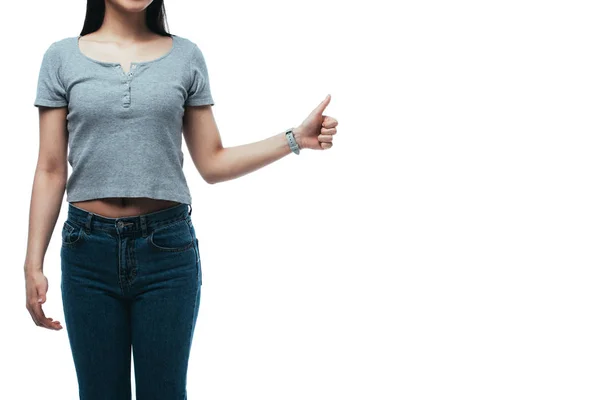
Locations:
(127, 95)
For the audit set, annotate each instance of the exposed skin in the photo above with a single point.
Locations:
(124, 38)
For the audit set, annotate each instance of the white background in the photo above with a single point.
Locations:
(446, 247)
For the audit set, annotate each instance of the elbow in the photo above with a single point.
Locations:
(212, 172)
(210, 178)
(57, 172)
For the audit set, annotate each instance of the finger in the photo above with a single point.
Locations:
(41, 293)
(30, 305)
(41, 317)
(48, 323)
(35, 321)
(329, 122)
(41, 299)
(325, 138)
(56, 324)
(326, 145)
(34, 317)
(321, 107)
(32, 295)
(328, 131)
(39, 312)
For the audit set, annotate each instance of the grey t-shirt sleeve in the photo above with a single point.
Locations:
(50, 89)
(199, 91)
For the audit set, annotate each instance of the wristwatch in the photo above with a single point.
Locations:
(289, 135)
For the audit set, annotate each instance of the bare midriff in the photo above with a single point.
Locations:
(118, 207)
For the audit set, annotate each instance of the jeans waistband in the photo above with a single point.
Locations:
(137, 223)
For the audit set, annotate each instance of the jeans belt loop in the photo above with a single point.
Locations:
(143, 225)
(88, 222)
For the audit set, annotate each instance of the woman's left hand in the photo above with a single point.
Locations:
(317, 130)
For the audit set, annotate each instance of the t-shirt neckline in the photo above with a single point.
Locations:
(174, 39)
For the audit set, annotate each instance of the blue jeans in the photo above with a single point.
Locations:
(130, 284)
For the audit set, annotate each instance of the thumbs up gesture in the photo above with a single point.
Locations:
(317, 130)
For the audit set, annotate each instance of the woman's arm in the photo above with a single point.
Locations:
(217, 164)
(46, 197)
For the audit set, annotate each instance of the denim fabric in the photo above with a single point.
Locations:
(130, 284)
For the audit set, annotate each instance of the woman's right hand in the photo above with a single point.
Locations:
(36, 286)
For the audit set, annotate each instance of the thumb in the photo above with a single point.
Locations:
(321, 107)
(41, 294)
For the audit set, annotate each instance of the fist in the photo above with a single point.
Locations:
(317, 130)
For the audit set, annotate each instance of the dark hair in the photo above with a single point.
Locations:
(155, 17)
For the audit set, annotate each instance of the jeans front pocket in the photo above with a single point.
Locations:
(71, 234)
(175, 236)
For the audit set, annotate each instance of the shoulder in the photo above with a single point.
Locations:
(184, 42)
(57, 49)
(190, 48)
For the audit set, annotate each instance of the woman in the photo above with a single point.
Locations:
(118, 97)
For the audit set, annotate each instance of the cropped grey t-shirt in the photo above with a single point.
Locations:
(125, 129)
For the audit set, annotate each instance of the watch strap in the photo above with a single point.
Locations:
(289, 135)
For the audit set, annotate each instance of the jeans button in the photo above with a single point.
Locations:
(120, 224)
